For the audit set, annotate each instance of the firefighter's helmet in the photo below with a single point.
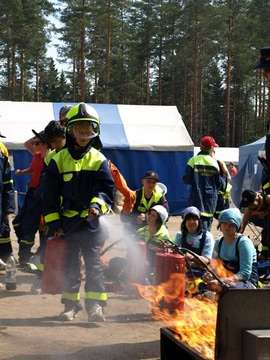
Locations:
(83, 112)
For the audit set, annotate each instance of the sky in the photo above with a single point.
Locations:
(55, 42)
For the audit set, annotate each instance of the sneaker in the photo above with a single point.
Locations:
(70, 312)
(95, 313)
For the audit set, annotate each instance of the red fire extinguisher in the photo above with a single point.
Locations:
(170, 271)
(54, 265)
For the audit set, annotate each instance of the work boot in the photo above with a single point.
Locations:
(95, 313)
(70, 312)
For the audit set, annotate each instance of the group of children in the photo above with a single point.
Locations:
(235, 250)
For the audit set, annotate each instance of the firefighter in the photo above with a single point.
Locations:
(79, 188)
(6, 202)
(202, 173)
(149, 195)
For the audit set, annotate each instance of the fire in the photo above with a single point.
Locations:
(194, 323)
(219, 268)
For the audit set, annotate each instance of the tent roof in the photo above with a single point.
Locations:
(137, 127)
(227, 154)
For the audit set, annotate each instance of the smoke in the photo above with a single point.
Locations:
(127, 245)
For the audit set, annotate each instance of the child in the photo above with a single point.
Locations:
(79, 188)
(155, 233)
(193, 237)
(237, 253)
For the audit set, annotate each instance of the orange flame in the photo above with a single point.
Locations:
(219, 268)
(195, 323)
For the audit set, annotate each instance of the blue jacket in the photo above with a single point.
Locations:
(202, 173)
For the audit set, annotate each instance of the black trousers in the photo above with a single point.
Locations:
(26, 223)
(86, 243)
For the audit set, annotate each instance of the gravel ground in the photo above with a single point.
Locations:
(30, 330)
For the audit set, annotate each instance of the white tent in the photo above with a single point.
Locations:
(136, 138)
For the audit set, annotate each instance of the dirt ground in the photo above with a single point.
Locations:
(30, 330)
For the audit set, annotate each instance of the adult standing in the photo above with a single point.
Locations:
(203, 174)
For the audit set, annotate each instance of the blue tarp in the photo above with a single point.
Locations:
(249, 171)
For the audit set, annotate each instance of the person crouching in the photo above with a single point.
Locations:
(237, 253)
(193, 237)
(155, 234)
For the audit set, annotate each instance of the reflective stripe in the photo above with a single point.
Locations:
(40, 267)
(51, 217)
(206, 214)
(36, 267)
(5, 240)
(71, 296)
(203, 164)
(72, 213)
(92, 295)
(27, 242)
(8, 182)
(103, 206)
(266, 186)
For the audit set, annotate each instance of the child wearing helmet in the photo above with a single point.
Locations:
(79, 188)
(237, 253)
(155, 233)
(193, 237)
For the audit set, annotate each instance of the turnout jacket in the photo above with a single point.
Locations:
(74, 183)
(202, 173)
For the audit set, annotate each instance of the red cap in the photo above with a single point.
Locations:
(208, 142)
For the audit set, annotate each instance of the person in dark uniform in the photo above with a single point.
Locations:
(78, 189)
(6, 202)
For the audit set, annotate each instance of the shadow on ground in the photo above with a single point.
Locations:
(47, 321)
(122, 351)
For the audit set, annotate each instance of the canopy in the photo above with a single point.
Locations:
(249, 170)
(136, 138)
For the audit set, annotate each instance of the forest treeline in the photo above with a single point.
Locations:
(196, 54)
